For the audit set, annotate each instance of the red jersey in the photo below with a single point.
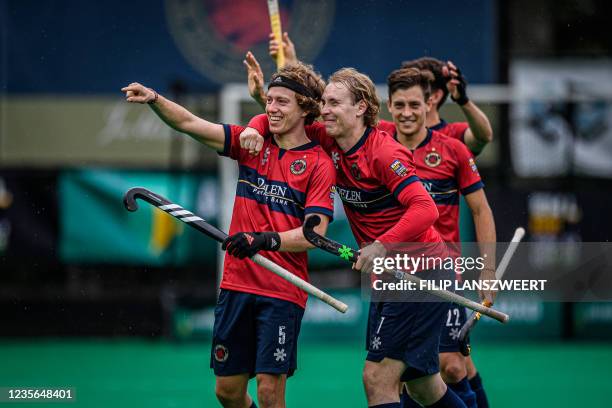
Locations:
(454, 130)
(446, 168)
(375, 179)
(275, 190)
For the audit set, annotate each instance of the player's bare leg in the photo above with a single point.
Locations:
(271, 390)
(382, 380)
(452, 367)
(232, 391)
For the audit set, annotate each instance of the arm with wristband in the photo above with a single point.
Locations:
(479, 133)
(176, 116)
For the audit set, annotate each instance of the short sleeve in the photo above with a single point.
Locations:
(320, 194)
(260, 124)
(394, 166)
(467, 173)
(231, 146)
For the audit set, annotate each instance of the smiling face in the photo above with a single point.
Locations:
(340, 113)
(283, 111)
(409, 110)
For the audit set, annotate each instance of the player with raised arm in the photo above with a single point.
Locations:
(447, 169)
(385, 203)
(476, 133)
(258, 315)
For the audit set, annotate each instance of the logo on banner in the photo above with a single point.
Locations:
(214, 35)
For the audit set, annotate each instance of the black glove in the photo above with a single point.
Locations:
(462, 89)
(247, 244)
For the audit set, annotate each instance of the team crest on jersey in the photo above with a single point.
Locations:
(214, 35)
(398, 168)
(433, 159)
(472, 164)
(221, 353)
(355, 171)
(298, 167)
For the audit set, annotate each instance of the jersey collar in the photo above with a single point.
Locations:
(424, 142)
(305, 146)
(360, 143)
(439, 126)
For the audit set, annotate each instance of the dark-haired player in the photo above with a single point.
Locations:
(476, 133)
(258, 315)
(447, 169)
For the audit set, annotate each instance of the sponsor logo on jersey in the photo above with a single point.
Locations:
(433, 159)
(221, 353)
(298, 167)
(398, 168)
(350, 196)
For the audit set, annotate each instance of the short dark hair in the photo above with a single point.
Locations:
(306, 76)
(434, 66)
(405, 78)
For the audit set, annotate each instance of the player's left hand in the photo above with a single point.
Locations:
(487, 296)
(365, 261)
(251, 140)
(247, 244)
(457, 84)
(255, 78)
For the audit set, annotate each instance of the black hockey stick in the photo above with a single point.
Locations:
(175, 210)
(350, 255)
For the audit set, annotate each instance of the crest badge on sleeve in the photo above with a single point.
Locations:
(399, 168)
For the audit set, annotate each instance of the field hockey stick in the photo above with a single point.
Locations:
(275, 25)
(350, 255)
(178, 212)
(519, 233)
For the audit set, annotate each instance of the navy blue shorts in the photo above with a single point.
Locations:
(409, 332)
(456, 317)
(254, 334)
